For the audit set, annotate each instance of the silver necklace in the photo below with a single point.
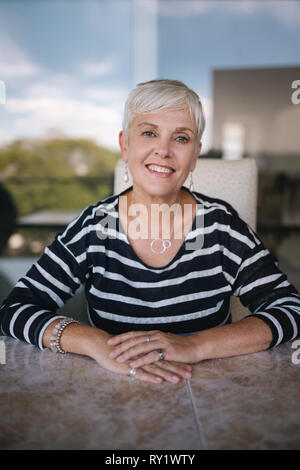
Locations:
(164, 243)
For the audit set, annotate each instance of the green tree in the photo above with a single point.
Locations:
(56, 173)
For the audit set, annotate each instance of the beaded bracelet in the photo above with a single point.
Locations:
(56, 334)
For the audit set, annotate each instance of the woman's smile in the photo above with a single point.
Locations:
(160, 171)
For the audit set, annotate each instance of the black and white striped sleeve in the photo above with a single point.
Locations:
(259, 283)
(49, 283)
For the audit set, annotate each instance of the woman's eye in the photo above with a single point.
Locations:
(148, 133)
(182, 139)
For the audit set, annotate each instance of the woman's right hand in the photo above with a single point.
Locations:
(158, 372)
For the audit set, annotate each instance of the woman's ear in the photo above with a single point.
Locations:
(195, 158)
(123, 146)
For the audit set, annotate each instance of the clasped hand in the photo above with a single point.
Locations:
(140, 348)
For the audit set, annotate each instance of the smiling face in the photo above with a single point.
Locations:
(161, 150)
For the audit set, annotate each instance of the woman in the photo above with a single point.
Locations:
(156, 305)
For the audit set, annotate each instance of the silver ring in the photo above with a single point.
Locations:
(161, 354)
(148, 338)
(132, 372)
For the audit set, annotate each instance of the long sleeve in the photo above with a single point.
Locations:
(49, 283)
(256, 279)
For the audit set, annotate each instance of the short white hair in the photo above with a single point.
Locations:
(161, 95)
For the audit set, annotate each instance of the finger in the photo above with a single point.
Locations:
(176, 369)
(140, 349)
(145, 360)
(128, 335)
(165, 374)
(173, 368)
(152, 358)
(148, 376)
(124, 337)
(187, 367)
(129, 343)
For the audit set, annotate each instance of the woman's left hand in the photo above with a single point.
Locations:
(146, 344)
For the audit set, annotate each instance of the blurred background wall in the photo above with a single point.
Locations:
(66, 68)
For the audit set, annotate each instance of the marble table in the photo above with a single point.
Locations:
(51, 401)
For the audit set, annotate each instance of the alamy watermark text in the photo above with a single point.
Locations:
(295, 97)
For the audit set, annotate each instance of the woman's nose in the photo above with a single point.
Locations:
(163, 148)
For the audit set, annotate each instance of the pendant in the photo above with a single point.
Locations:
(165, 245)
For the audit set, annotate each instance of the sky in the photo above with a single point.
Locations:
(68, 65)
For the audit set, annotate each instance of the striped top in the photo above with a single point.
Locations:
(221, 256)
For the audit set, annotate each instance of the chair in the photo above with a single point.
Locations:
(234, 181)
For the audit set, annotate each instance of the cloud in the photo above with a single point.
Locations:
(14, 62)
(47, 100)
(114, 96)
(18, 70)
(73, 117)
(51, 85)
(67, 103)
(97, 69)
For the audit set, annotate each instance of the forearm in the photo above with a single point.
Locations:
(87, 341)
(243, 337)
(76, 338)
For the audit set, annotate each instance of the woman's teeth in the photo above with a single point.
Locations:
(160, 169)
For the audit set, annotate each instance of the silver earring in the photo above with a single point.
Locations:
(126, 173)
(191, 183)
